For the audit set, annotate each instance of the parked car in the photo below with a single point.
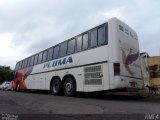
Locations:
(6, 85)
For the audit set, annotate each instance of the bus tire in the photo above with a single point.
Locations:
(69, 87)
(56, 87)
(18, 87)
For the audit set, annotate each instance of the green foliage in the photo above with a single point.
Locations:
(5, 74)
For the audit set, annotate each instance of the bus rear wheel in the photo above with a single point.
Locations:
(69, 87)
(56, 87)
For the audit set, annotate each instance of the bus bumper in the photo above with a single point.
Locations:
(121, 82)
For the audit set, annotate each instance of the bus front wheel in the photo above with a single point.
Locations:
(69, 87)
(56, 87)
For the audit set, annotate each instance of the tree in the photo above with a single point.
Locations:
(5, 74)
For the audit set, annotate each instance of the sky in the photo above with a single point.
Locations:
(30, 26)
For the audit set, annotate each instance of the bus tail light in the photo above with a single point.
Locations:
(116, 68)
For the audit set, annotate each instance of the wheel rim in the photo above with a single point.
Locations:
(55, 87)
(68, 87)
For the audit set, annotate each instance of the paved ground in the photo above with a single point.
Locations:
(42, 102)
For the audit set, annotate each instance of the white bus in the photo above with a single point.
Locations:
(105, 57)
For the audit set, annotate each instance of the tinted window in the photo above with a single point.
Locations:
(106, 33)
(94, 38)
(29, 60)
(44, 56)
(71, 46)
(17, 65)
(63, 49)
(32, 60)
(35, 59)
(50, 54)
(56, 52)
(79, 43)
(40, 57)
(101, 35)
(25, 63)
(20, 64)
(85, 41)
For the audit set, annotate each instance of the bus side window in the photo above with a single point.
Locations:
(32, 61)
(56, 52)
(35, 59)
(20, 64)
(25, 63)
(17, 66)
(63, 49)
(71, 46)
(101, 35)
(79, 43)
(44, 58)
(50, 54)
(29, 60)
(40, 57)
(106, 33)
(85, 41)
(94, 38)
